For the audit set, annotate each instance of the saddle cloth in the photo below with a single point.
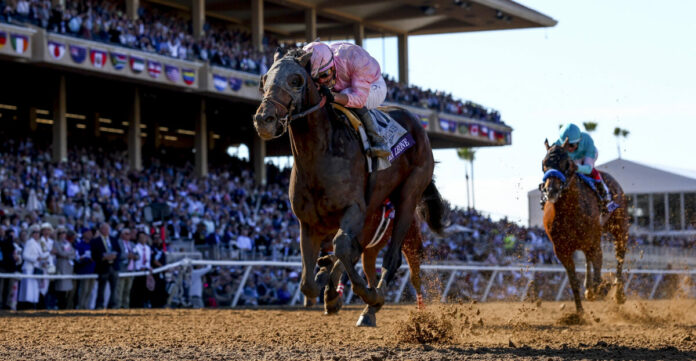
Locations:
(395, 136)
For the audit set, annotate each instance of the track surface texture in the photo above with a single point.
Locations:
(637, 330)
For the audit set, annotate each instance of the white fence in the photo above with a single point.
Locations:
(452, 271)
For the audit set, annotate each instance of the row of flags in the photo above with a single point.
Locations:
(221, 83)
(475, 130)
(99, 58)
(119, 61)
(18, 42)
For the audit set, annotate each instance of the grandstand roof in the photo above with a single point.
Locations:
(639, 178)
(336, 19)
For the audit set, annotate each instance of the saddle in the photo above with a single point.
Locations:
(594, 182)
(395, 135)
(353, 119)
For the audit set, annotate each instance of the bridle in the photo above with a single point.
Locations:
(295, 104)
(554, 173)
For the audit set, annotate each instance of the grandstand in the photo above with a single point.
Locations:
(197, 88)
(111, 106)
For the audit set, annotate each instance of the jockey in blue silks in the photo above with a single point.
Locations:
(583, 151)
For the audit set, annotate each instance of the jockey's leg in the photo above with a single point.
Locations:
(378, 147)
(375, 98)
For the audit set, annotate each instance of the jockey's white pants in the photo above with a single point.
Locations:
(378, 92)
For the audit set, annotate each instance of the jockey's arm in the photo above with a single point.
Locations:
(340, 98)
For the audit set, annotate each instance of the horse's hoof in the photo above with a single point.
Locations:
(367, 320)
(331, 307)
(590, 295)
(309, 302)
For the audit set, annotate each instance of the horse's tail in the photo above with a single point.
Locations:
(433, 209)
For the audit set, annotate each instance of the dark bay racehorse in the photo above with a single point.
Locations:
(331, 192)
(572, 222)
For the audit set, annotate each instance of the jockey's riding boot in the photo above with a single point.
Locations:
(607, 203)
(378, 148)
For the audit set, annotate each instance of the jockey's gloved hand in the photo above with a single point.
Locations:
(327, 93)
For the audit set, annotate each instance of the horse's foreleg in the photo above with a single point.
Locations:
(347, 249)
(597, 269)
(368, 317)
(573, 279)
(620, 240)
(589, 287)
(309, 246)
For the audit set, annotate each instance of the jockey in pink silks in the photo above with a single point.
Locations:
(355, 80)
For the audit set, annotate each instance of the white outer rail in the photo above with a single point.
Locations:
(454, 271)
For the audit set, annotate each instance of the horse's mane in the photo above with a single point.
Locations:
(294, 53)
(555, 157)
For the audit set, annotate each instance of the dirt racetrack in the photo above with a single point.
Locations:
(488, 331)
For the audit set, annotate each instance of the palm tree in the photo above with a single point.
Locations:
(468, 154)
(620, 133)
(590, 126)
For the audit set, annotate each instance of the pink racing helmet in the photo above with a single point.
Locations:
(322, 57)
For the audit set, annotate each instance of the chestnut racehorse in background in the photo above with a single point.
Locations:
(572, 222)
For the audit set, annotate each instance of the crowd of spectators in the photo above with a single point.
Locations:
(89, 215)
(158, 29)
(438, 101)
(168, 32)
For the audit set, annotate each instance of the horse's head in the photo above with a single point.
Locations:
(558, 169)
(284, 87)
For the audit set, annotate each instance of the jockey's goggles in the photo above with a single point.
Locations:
(326, 74)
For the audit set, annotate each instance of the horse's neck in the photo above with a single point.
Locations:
(571, 196)
(310, 136)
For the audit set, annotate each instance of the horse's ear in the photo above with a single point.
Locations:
(262, 81)
(546, 143)
(304, 59)
(565, 143)
(279, 53)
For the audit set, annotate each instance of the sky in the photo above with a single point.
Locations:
(627, 64)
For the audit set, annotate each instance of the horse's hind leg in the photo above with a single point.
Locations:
(332, 297)
(347, 249)
(413, 250)
(405, 206)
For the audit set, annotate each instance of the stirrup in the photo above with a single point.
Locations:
(612, 206)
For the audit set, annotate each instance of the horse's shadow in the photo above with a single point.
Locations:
(599, 351)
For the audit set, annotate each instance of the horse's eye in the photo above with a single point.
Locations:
(295, 82)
